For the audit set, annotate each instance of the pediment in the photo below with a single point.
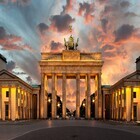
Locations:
(6, 75)
(135, 75)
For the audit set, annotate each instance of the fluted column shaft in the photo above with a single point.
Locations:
(78, 96)
(45, 97)
(42, 96)
(64, 96)
(10, 104)
(17, 103)
(88, 97)
(54, 97)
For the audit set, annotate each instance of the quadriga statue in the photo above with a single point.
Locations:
(70, 45)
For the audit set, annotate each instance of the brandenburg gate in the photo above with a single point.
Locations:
(71, 64)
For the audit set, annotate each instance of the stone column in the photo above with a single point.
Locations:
(26, 105)
(45, 97)
(20, 111)
(42, 96)
(78, 96)
(96, 97)
(112, 104)
(54, 100)
(30, 106)
(10, 104)
(64, 96)
(128, 104)
(23, 104)
(121, 104)
(38, 105)
(124, 88)
(104, 108)
(99, 97)
(88, 101)
(17, 102)
(117, 107)
(131, 103)
(0, 103)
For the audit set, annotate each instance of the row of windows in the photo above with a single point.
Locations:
(134, 96)
(7, 94)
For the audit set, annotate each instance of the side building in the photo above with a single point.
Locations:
(125, 97)
(18, 100)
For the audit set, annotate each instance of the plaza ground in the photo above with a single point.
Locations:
(68, 129)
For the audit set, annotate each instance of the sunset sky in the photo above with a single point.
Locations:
(28, 27)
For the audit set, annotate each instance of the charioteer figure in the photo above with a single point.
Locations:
(70, 45)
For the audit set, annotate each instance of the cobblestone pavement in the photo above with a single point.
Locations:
(70, 129)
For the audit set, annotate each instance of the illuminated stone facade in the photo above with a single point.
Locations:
(125, 97)
(71, 64)
(16, 98)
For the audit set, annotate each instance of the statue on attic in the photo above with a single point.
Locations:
(70, 45)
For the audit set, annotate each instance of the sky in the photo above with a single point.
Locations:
(29, 27)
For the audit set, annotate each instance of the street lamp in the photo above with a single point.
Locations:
(58, 105)
(93, 100)
(49, 100)
(84, 104)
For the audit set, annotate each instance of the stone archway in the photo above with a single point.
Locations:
(71, 63)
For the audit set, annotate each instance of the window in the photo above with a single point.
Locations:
(7, 93)
(134, 94)
(6, 110)
(135, 112)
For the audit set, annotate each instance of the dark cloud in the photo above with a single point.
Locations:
(2, 33)
(104, 23)
(124, 32)
(55, 45)
(19, 73)
(108, 55)
(107, 51)
(28, 62)
(12, 42)
(86, 10)
(10, 66)
(108, 9)
(121, 52)
(107, 47)
(12, 47)
(125, 4)
(42, 27)
(130, 14)
(61, 23)
(29, 79)
(67, 7)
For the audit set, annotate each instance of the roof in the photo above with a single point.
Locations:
(127, 78)
(106, 86)
(35, 86)
(3, 58)
(12, 76)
